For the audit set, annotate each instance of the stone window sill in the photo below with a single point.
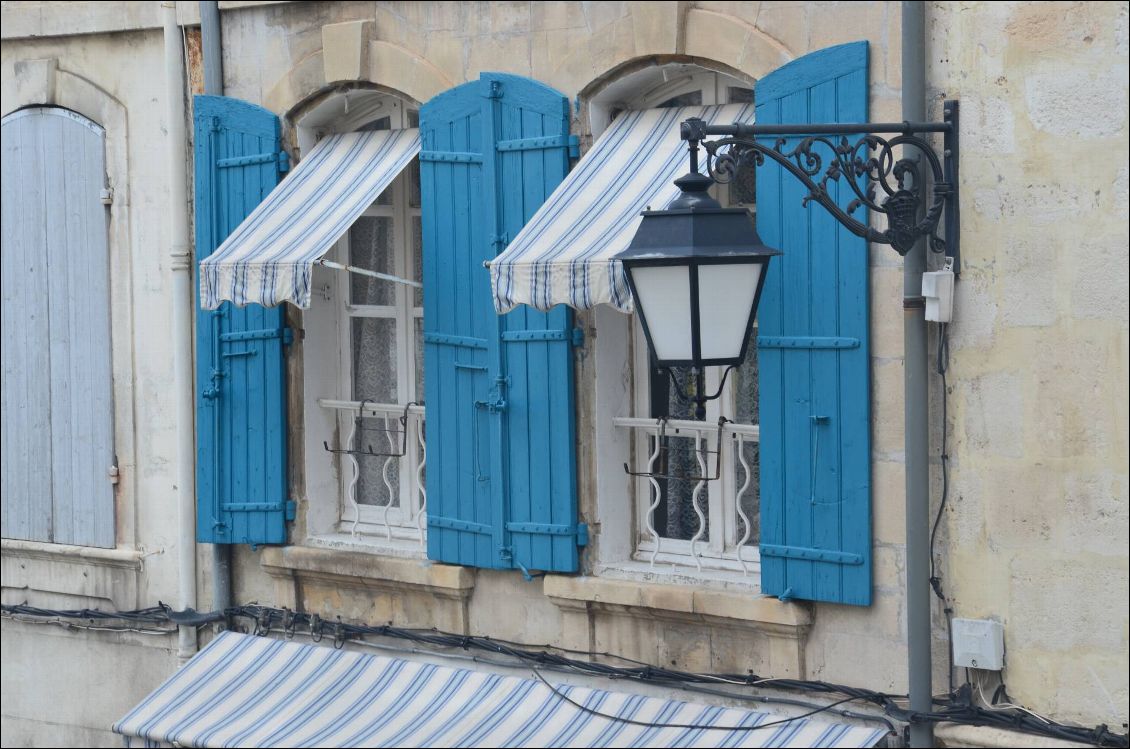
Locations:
(718, 606)
(366, 569)
(90, 555)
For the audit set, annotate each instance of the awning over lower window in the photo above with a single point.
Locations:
(268, 259)
(243, 690)
(564, 253)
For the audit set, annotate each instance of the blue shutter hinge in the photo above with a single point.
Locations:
(291, 509)
(287, 336)
(578, 337)
(574, 147)
(284, 161)
(582, 534)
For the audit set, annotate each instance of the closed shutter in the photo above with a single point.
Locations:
(499, 390)
(241, 477)
(813, 354)
(57, 409)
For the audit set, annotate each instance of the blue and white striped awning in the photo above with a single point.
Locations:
(563, 255)
(269, 258)
(243, 690)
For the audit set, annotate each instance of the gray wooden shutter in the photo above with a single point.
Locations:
(57, 407)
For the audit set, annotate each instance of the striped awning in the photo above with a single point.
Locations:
(243, 690)
(268, 259)
(564, 254)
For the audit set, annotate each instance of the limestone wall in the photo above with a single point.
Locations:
(1035, 533)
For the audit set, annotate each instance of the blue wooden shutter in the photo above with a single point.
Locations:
(241, 479)
(531, 131)
(501, 468)
(57, 383)
(459, 331)
(813, 355)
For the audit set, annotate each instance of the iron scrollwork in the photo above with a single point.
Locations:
(880, 181)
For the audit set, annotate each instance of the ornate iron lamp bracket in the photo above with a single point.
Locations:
(903, 177)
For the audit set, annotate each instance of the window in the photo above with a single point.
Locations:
(364, 365)
(382, 363)
(681, 520)
(58, 443)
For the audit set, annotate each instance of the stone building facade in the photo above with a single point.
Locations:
(1034, 531)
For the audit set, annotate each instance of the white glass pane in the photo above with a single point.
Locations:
(374, 359)
(744, 384)
(418, 258)
(675, 517)
(370, 247)
(374, 470)
(419, 355)
(725, 296)
(665, 300)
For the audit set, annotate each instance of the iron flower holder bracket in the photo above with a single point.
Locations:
(904, 177)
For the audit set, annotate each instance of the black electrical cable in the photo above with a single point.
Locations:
(941, 365)
(693, 726)
(961, 711)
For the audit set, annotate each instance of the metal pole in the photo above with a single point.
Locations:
(180, 256)
(917, 428)
(214, 86)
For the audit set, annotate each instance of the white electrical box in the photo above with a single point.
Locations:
(978, 643)
(937, 289)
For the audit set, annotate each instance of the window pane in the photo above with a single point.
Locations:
(419, 353)
(378, 481)
(418, 259)
(740, 95)
(745, 412)
(675, 516)
(414, 183)
(370, 247)
(374, 359)
(413, 118)
(689, 99)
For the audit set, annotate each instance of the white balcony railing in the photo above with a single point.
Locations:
(723, 538)
(405, 511)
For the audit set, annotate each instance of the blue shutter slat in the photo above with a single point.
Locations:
(459, 432)
(241, 385)
(814, 399)
(511, 468)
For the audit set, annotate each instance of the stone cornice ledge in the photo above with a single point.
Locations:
(365, 570)
(717, 606)
(123, 558)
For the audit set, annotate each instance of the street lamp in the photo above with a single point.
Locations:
(696, 271)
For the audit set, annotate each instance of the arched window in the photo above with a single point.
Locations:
(376, 356)
(57, 411)
(722, 520)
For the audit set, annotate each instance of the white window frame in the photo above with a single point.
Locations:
(721, 551)
(407, 519)
(333, 519)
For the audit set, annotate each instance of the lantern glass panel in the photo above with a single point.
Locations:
(663, 294)
(725, 302)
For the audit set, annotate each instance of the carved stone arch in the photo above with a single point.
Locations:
(386, 65)
(44, 83)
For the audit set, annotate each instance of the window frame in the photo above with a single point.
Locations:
(719, 551)
(400, 520)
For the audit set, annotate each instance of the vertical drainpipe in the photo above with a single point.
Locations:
(214, 86)
(915, 370)
(180, 256)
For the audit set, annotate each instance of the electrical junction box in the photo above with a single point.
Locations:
(937, 289)
(978, 643)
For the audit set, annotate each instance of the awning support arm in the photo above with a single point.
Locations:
(370, 273)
